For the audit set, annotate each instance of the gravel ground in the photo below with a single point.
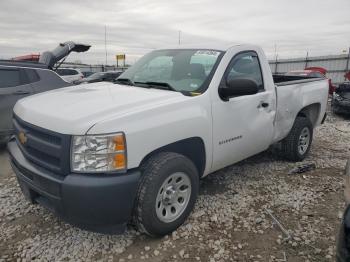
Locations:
(229, 223)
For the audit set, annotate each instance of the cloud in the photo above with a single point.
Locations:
(136, 27)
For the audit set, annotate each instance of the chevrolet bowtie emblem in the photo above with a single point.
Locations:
(22, 137)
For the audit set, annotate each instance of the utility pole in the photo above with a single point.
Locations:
(306, 59)
(276, 56)
(179, 37)
(106, 44)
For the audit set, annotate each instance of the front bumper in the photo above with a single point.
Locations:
(100, 203)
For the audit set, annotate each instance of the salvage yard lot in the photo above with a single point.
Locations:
(229, 222)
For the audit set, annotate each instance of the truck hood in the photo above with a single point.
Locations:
(75, 109)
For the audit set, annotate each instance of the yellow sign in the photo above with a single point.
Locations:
(120, 57)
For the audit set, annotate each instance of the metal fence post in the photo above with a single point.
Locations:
(306, 59)
(276, 62)
(347, 64)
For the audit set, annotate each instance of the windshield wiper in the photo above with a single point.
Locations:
(160, 85)
(125, 81)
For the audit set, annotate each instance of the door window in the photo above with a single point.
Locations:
(9, 78)
(66, 72)
(245, 65)
(316, 74)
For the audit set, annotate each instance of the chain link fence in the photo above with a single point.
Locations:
(92, 68)
(337, 65)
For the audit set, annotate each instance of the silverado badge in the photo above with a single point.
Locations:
(22, 137)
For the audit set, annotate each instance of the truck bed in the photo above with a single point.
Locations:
(282, 79)
(298, 92)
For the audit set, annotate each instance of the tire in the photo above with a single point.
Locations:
(151, 200)
(292, 144)
(3, 142)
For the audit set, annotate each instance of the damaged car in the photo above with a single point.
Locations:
(19, 79)
(341, 99)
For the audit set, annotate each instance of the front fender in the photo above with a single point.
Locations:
(152, 128)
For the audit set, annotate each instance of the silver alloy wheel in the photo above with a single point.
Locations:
(304, 141)
(173, 197)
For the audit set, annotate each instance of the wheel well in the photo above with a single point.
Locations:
(193, 148)
(311, 112)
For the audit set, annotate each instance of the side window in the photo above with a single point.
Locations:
(245, 65)
(70, 72)
(32, 75)
(60, 72)
(9, 78)
(66, 72)
(316, 74)
(73, 72)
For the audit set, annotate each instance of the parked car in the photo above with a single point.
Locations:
(347, 76)
(343, 243)
(70, 75)
(19, 79)
(341, 99)
(103, 155)
(314, 72)
(87, 73)
(109, 76)
(30, 57)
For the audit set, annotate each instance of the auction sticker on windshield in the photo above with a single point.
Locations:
(207, 52)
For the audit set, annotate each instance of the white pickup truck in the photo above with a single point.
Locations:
(107, 154)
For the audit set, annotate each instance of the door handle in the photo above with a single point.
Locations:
(263, 104)
(20, 92)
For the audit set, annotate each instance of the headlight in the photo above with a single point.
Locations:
(98, 153)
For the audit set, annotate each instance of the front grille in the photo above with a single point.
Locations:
(45, 148)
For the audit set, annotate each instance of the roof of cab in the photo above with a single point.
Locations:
(218, 47)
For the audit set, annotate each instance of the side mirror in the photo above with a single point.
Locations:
(238, 87)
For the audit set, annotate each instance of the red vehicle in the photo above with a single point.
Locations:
(314, 72)
(347, 75)
(31, 57)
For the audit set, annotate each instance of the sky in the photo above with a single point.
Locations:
(290, 28)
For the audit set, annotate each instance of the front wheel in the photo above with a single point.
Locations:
(297, 144)
(167, 193)
(3, 141)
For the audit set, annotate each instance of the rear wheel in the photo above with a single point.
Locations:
(297, 144)
(167, 193)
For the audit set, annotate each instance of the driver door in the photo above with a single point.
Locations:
(243, 125)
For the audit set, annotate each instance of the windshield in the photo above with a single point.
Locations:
(181, 69)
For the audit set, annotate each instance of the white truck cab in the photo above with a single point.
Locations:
(102, 155)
